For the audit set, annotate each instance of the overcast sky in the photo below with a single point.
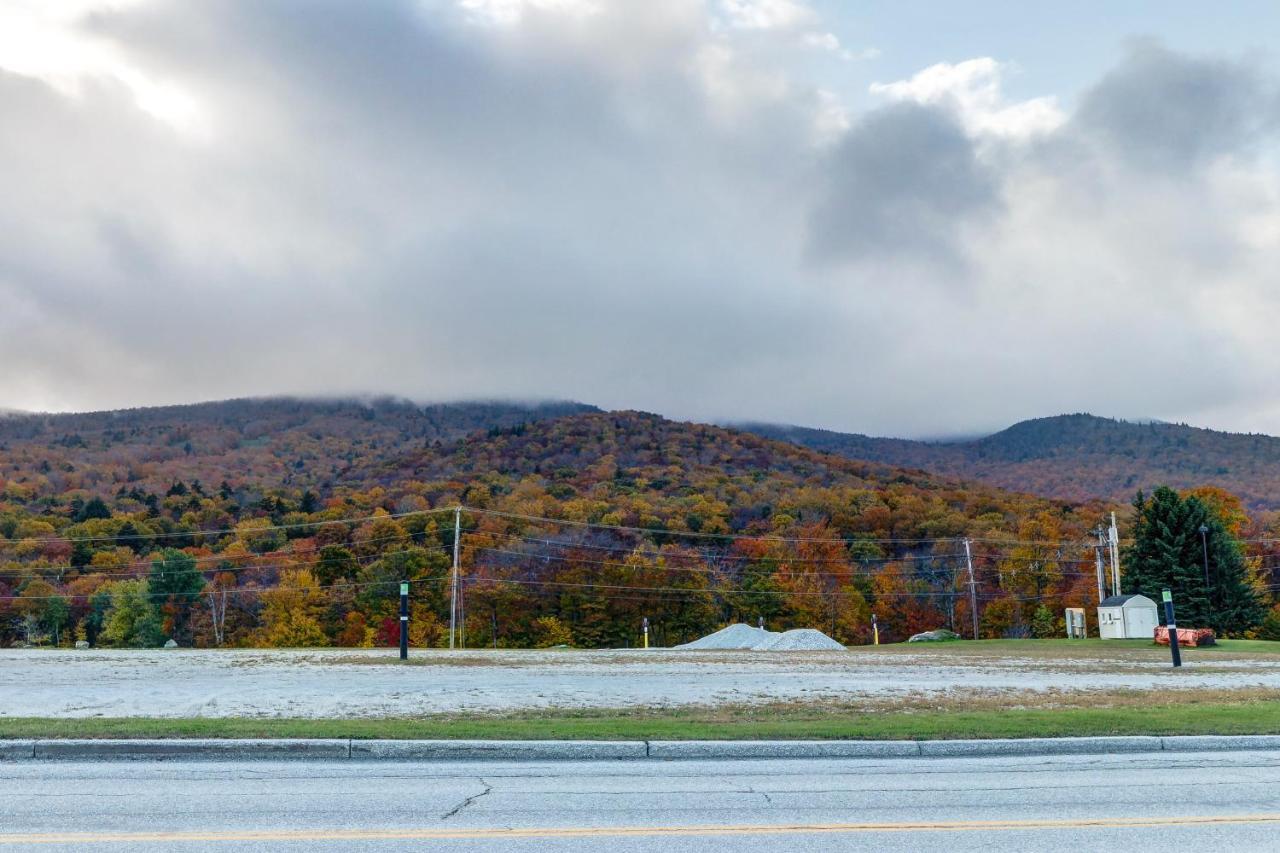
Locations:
(932, 219)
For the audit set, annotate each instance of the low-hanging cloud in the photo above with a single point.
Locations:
(646, 205)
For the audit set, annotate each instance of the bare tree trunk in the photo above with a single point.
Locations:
(218, 613)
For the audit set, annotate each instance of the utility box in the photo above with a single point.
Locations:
(1076, 627)
(1127, 617)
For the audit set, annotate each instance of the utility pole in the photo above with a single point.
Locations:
(453, 584)
(973, 591)
(1097, 553)
(1115, 556)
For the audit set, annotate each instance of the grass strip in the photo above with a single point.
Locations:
(1223, 718)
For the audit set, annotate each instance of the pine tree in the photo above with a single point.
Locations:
(95, 508)
(1167, 553)
(174, 585)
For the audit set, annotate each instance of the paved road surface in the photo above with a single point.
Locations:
(1227, 801)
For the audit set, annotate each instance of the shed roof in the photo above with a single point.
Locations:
(1120, 600)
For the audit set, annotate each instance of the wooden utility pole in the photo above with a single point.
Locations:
(973, 590)
(453, 585)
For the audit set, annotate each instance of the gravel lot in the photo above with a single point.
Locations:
(371, 683)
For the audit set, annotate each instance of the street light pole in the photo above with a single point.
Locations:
(1204, 545)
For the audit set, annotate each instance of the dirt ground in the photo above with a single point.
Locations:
(373, 683)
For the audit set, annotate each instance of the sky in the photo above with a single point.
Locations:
(912, 219)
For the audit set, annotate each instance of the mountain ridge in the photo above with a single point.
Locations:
(1075, 456)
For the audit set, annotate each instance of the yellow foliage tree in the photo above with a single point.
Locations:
(292, 611)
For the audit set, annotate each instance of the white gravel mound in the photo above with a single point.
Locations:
(740, 636)
(799, 640)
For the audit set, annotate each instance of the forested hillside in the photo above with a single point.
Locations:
(293, 523)
(255, 444)
(1077, 457)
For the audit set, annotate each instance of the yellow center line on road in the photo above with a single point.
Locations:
(209, 836)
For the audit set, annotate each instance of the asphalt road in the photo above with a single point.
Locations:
(1185, 801)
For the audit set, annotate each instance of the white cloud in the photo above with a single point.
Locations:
(767, 14)
(972, 90)
(821, 41)
(512, 12)
(49, 41)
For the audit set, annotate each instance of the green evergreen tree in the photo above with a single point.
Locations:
(1167, 553)
(174, 584)
(95, 508)
(81, 554)
(1043, 623)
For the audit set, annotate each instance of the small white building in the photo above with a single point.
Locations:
(1127, 617)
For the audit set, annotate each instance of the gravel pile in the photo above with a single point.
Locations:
(739, 636)
(742, 637)
(799, 640)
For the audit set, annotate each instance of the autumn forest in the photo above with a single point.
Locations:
(292, 523)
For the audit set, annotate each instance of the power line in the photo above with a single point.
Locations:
(715, 555)
(708, 571)
(654, 531)
(758, 536)
(174, 534)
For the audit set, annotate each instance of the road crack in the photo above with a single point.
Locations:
(488, 789)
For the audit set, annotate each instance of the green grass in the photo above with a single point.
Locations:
(786, 722)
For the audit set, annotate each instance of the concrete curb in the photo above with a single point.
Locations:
(210, 749)
(498, 750)
(17, 750)
(690, 750)
(1211, 743)
(551, 750)
(1039, 746)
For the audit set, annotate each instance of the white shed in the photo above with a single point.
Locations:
(1127, 617)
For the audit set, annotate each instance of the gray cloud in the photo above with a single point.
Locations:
(633, 208)
(899, 185)
(1167, 111)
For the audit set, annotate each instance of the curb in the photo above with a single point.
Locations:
(731, 750)
(561, 750)
(203, 749)
(497, 750)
